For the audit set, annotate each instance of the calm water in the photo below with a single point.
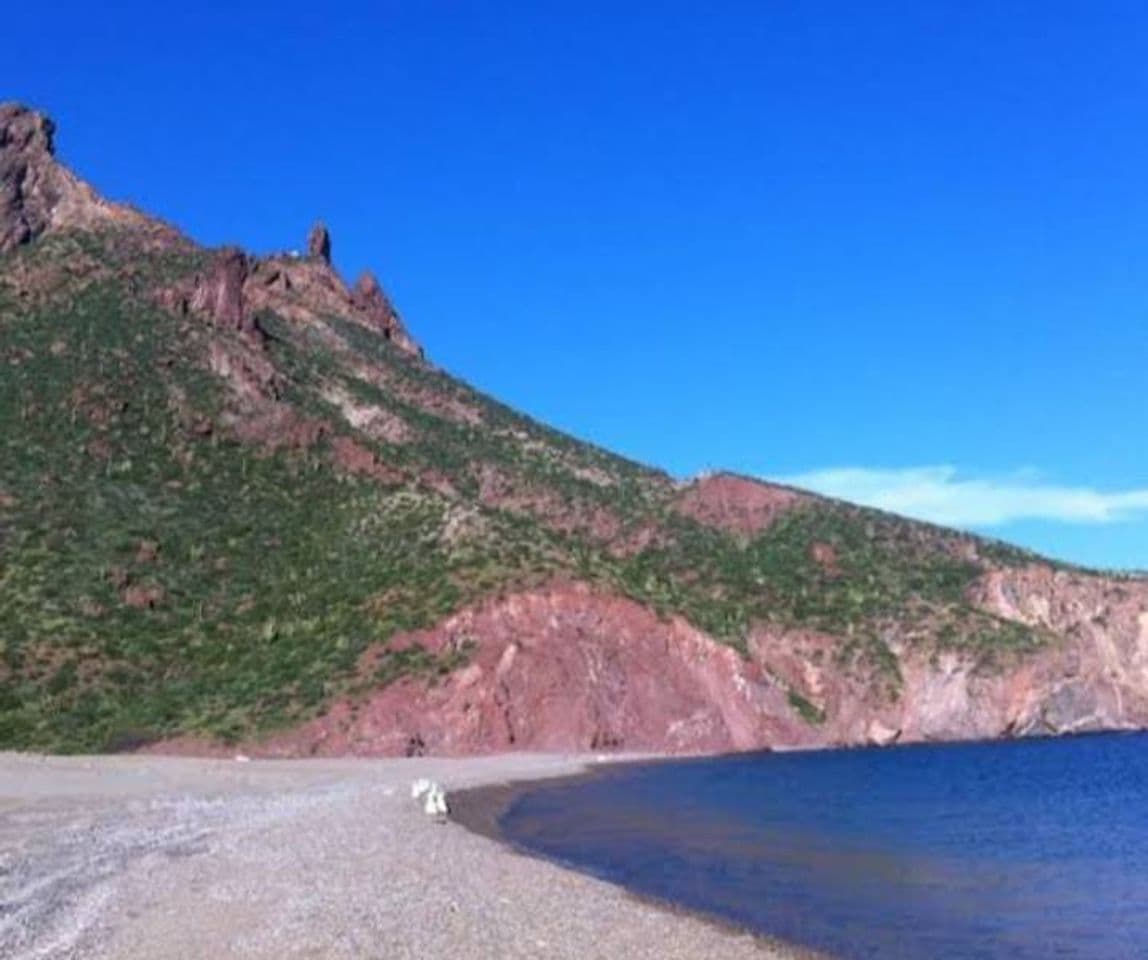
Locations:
(1033, 849)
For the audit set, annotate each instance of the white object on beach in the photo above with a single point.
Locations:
(435, 805)
(242, 758)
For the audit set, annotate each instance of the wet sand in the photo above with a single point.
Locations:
(151, 857)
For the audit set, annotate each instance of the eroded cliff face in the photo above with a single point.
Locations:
(1089, 671)
(561, 668)
(38, 194)
(1095, 674)
(572, 668)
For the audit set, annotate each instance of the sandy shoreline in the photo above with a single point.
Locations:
(151, 857)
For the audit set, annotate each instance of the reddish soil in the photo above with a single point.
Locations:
(353, 458)
(736, 504)
(558, 669)
(568, 667)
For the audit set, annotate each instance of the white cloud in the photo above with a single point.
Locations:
(939, 494)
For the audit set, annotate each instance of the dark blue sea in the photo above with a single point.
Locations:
(1027, 850)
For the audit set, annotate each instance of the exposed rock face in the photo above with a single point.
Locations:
(27, 196)
(37, 194)
(1090, 673)
(736, 504)
(319, 243)
(1097, 675)
(555, 669)
(219, 292)
(571, 668)
(235, 287)
(302, 290)
(378, 311)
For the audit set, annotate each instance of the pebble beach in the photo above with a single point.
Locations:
(134, 857)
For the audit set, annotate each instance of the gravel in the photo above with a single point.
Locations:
(147, 857)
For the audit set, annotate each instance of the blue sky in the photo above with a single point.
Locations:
(892, 250)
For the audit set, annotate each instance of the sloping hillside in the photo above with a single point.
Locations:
(238, 503)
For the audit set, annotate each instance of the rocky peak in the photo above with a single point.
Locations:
(368, 291)
(319, 242)
(26, 130)
(27, 193)
(378, 312)
(38, 194)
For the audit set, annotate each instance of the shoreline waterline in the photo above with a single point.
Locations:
(479, 810)
(986, 849)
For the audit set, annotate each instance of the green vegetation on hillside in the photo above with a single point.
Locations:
(158, 576)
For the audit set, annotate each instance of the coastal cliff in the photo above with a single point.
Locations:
(238, 504)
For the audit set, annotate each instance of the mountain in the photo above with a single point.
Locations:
(239, 505)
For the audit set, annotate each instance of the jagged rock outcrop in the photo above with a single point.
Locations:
(319, 243)
(26, 195)
(38, 194)
(235, 287)
(378, 312)
(219, 291)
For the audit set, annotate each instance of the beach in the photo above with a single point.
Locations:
(138, 856)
